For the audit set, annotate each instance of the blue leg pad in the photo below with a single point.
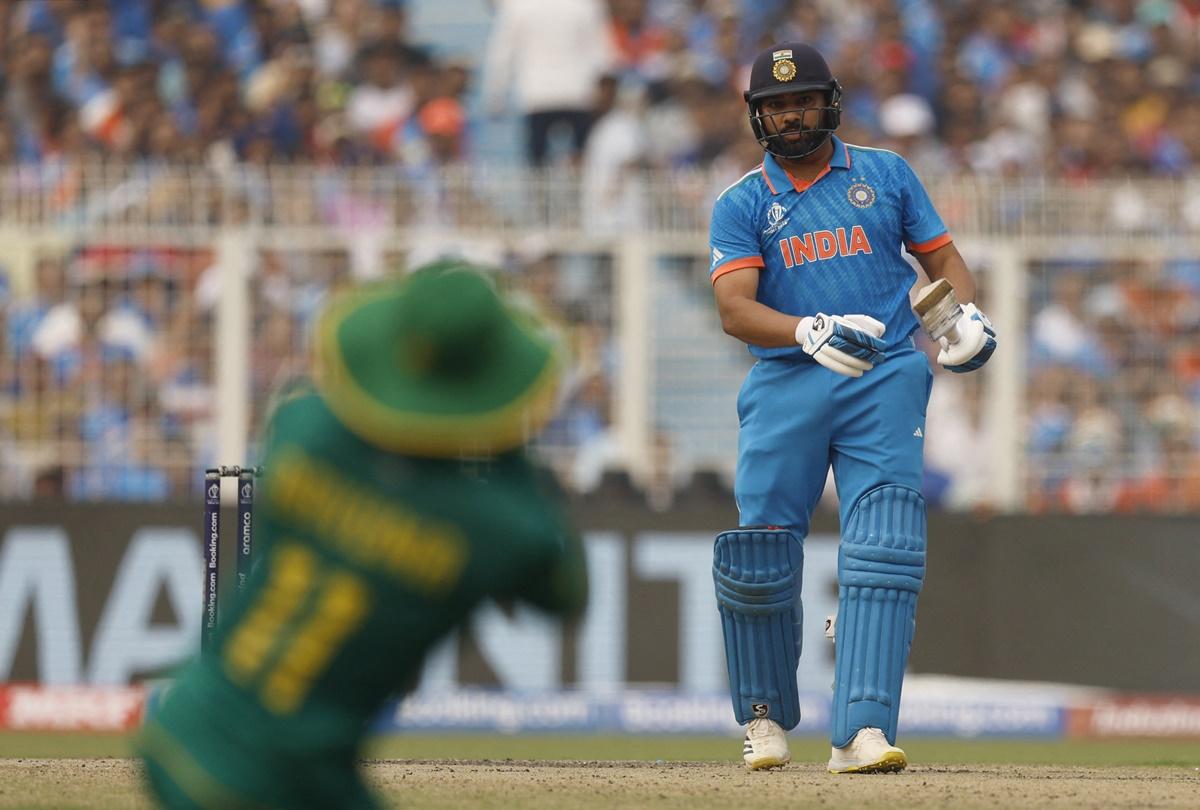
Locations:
(881, 566)
(757, 573)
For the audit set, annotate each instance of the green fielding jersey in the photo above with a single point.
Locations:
(365, 559)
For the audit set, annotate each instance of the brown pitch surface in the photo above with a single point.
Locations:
(473, 784)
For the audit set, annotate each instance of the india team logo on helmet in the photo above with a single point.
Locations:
(784, 70)
(861, 195)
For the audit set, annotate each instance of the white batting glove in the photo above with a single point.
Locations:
(845, 344)
(976, 342)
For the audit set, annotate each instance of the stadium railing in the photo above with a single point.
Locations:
(151, 310)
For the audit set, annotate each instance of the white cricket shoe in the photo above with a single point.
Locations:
(868, 752)
(765, 745)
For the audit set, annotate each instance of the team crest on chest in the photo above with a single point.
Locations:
(776, 219)
(861, 195)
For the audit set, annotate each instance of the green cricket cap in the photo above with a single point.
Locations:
(437, 364)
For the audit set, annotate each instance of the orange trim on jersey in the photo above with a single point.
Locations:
(802, 186)
(931, 245)
(763, 169)
(736, 264)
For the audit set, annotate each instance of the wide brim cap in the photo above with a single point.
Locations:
(436, 364)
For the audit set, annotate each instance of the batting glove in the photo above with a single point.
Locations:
(846, 344)
(976, 342)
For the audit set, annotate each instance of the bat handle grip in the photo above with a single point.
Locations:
(939, 312)
(952, 335)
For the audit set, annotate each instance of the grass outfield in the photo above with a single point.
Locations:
(1091, 753)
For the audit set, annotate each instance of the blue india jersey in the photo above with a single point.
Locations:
(833, 245)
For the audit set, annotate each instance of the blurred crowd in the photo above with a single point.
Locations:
(1040, 87)
(108, 391)
(108, 386)
(1112, 409)
(106, 375)
(1115, 388)
(205, 81)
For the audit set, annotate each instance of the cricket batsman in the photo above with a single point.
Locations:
(377, 542)
(808, 271)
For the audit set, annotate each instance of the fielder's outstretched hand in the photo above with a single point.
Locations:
(976, 342)
(847, 344)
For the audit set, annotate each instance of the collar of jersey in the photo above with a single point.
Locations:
(779, 181)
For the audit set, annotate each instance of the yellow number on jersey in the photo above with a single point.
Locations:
(288, 637)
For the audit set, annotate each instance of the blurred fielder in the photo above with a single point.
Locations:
(377, 543)
(807, 270)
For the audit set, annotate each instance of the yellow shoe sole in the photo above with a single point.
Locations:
(768, 762)
(892, 762)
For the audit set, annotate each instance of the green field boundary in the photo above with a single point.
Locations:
(1090, 753)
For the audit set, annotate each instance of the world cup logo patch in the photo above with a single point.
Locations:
(776, 219)
(861, 195)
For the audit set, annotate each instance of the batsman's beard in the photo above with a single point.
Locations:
(810, 140)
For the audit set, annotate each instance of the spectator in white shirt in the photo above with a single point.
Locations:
(550, 54)
(617, 148)
(379, 105)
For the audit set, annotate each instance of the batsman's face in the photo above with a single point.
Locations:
(789, 114)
